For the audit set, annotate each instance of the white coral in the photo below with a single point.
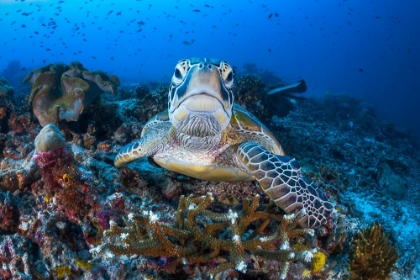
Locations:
(285, 246)
(241, 266)
(236, 238)
(124, 236)
(232, 216)
(307, 255)
(152, 217)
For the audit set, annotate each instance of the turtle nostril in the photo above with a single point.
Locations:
(201, 65)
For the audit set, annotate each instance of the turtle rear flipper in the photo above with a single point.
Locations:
(281, 179)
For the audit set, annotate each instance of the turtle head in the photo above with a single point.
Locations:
(201, 97)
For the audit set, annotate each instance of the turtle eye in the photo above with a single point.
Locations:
(179, 74)
(227, 74)
(229, 77)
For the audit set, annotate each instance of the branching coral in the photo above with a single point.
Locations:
(61, 92)
(372, 256)
(199, 235)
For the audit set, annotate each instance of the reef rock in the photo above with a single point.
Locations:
(391, 183)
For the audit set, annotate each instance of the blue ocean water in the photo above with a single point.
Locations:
(367, 49)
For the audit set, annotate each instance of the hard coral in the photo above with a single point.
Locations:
(49, 139)
(61, 177)
(372, 256)
(6, 96)
(9, 214)
(6, 91)
(318, 262)
(200, 236)
(61, 92)
(15, 257)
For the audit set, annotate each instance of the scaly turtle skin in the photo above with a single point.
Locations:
(203, 134)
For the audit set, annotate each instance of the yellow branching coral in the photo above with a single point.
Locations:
(372, 256)
(62, 271)
(196, 237)
(318, 261)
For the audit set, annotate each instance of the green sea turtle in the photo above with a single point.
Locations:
(203, 134)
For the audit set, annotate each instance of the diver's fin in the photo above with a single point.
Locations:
(299, 87)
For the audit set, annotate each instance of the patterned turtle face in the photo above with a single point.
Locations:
(201, 97)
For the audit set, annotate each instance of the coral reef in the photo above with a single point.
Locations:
(60, 193)
(372, 256)
(62, 179)
(199, 236)
(16, 142)
(61, 92)
(15, 258)
(6, 97)
(251, 93)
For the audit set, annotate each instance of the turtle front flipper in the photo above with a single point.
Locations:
(154, 138)
(281, 179)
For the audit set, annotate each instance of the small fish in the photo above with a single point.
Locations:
(23, 26)
(141, 23)
(69, 179)
(197, 11)
(119, 13)
(360, 70)
(186, 43)
(276, 14)
(112, 58)
(109, 12)
(270, 15)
